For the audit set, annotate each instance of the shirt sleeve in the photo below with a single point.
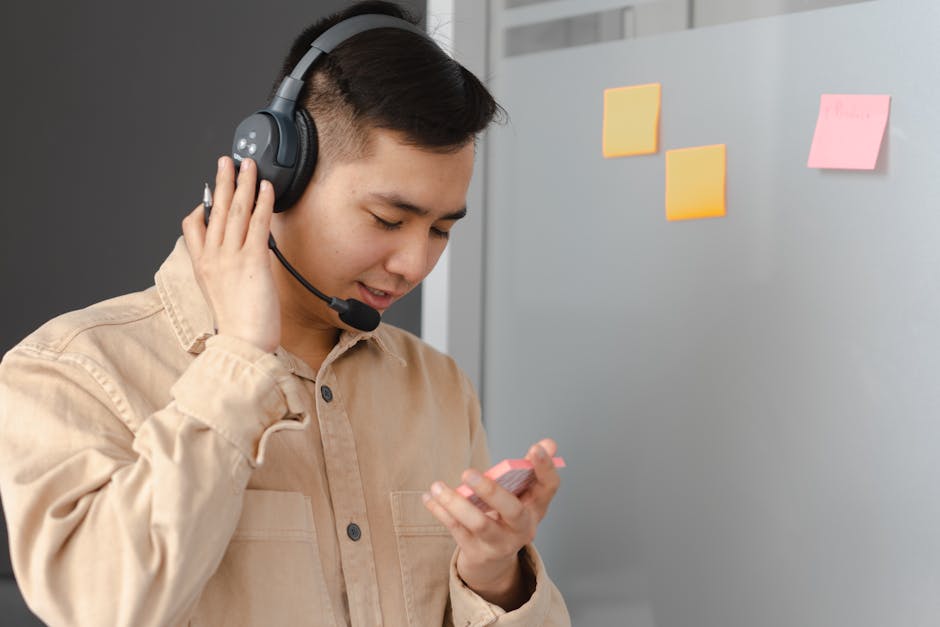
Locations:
(545, 607)
(110, 526)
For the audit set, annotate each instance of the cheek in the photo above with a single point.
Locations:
(356, 250)
(337, 241)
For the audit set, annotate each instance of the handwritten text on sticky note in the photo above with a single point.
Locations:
(849, 131)
(695, 183)
(631, 120)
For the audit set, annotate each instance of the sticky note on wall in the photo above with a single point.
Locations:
(695, 182)
(631, 120)
(849, 131)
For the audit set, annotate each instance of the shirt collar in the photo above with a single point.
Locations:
(348, 339)
(181, 296)
(191, 315)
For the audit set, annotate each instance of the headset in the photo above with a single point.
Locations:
(282, 140)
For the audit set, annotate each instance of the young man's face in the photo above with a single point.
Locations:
(372, 228)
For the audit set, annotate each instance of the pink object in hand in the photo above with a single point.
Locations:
(516, 475)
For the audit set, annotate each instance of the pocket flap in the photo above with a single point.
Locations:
(272, 513)
(412, 518)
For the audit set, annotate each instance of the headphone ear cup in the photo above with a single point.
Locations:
(308, 149)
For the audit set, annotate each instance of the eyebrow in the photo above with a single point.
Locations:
(394, 200)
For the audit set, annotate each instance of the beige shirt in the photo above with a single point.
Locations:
(154, 473)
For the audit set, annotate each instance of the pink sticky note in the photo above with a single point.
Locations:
(849, 131)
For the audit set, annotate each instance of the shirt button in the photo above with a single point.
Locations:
(326, 393)
(354, 532)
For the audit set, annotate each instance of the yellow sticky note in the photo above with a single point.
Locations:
(631, 120)
(695, 183)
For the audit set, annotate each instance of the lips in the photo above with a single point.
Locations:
(374, 297)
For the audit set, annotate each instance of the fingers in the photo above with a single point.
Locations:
(501, 500)
(547, 480)
(194, 232)
(259, 226)
(459, 515)
(549, 445)
(238, 218)
(243, 202)
(446, 518)
(221, 200)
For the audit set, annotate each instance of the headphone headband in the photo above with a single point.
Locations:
(335, 35)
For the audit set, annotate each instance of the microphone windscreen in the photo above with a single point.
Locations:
(360, 316)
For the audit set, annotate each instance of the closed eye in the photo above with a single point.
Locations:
(385, 224)
(394, 226)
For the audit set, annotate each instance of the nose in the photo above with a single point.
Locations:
(409, 258)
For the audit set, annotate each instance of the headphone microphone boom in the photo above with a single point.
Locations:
(351, 311)
(282, 140)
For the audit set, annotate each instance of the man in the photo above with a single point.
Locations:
(222, 449)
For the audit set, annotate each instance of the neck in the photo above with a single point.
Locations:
(311, 345)
(307, 327)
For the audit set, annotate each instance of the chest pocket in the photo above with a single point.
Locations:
(425, 548)
(271, 572)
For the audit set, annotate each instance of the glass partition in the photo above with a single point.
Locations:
(747, 404)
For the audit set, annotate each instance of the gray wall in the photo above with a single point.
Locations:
(114, 115)
(748, 405)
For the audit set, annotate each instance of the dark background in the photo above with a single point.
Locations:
(113, 116)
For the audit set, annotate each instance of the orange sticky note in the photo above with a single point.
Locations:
(695, 183)
(849, 131)
(631, 120)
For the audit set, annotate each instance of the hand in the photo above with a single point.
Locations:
(489, 542)
(230, 256)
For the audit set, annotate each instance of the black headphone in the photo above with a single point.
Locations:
(282, 137)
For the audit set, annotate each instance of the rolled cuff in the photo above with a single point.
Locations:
(238, 390)
(544, 607)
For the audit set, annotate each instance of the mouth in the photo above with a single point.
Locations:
(376, 298)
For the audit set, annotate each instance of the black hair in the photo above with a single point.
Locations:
(392, 79)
